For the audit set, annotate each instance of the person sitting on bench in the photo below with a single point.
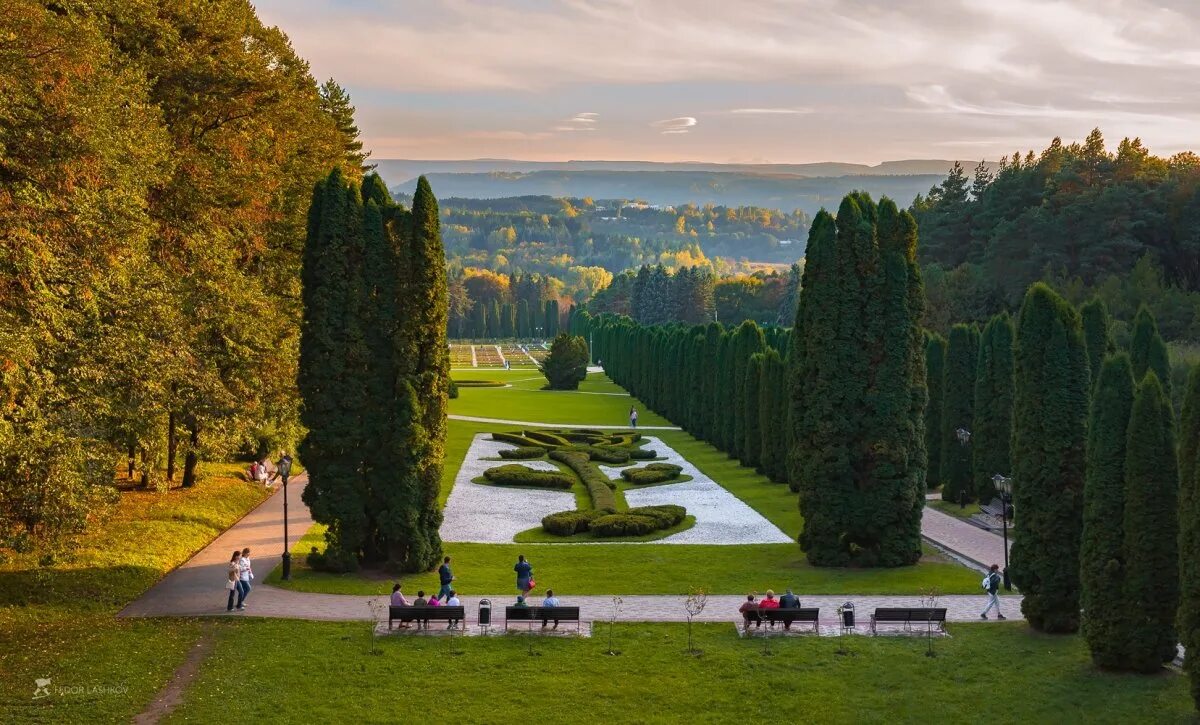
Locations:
(749, 612)
(399, 600)
(453, 601)
(420, 601)
(789, 601)
(550, 601)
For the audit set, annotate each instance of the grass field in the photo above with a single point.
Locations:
(525, 400)
(953, 509)
(58, 621)
(321, 672)
(642, 568)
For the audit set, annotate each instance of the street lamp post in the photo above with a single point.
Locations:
(964, 438)
(284, 469)
(1004, 486)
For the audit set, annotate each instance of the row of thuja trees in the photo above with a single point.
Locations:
(374, 374)
(843, 409)
(509, 321)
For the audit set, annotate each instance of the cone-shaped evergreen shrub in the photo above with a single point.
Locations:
(958, 412)
(1151, 529)
(1101, 555)
(1147, 350)
(1050, 408)
(749, 405)
(992, 435)
(1189, 531)
(935, 365)
(1097, 334)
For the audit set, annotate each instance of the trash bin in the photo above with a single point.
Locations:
(485, 612)
(847, 612)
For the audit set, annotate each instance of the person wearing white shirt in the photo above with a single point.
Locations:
(452, 601)
(245, 574)
(550, 601)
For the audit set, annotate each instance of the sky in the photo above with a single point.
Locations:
(753, 81)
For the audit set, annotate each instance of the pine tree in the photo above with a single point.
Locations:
(709, 381)
(479, 321)
(508, 322)
(1101, 555)
(958, 413)
(1151, 528)
(409, 523)
(1188, 620)
(336, 102)
(1147, 350)
(551, 319)
(1097, 334)
(752, 440)
(935, 365)
(566, 365)
(992, 435)
(1049, 428)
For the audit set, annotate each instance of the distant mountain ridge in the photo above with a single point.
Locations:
(787, 192)
(399, 171)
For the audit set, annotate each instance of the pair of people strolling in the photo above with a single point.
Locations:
(239, 575)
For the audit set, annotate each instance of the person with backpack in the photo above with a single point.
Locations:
(991, 584)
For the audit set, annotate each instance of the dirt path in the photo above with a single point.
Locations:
(171, 696)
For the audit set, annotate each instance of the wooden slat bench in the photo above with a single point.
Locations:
(785, 615)
(907, 616)
(541, 614)
(425, 615)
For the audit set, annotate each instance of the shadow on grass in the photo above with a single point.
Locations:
(88, 589)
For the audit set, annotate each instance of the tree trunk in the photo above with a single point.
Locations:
(131, 450)
(189, 461)
(145, 470)
(172, 442)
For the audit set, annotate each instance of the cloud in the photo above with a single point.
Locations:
(768, 111)
(682, 124)
(585, 121)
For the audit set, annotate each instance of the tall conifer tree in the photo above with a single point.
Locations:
(747, 341)
(1102, 548)
(1151, 528)
(1050, 406)
(958, 413)
(1097, 334)
(1147, 350)
(1188, 620)
(992, 436)
(752, 441)
(935, 366)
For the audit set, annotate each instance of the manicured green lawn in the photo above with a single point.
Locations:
(323, 672)
(642, 569)
(58, 621)
(526, 401)
(647, 568)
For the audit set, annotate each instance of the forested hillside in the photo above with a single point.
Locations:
(156, 162)
(1124, 226)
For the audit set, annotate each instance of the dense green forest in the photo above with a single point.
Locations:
(156, 164)
(1124, 226)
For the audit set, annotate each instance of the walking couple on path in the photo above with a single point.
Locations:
(239, 576)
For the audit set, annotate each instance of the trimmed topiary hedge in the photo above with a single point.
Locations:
(638, 521)
(653, 473)
(523, 452)
(542, 437)
(514, 438)
(603, 498)
(604, 454)
(567, 523)
(453, 393)
(516, 475)
(642, 454)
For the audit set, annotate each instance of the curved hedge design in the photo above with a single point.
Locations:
(517, 475)
(603, 498)
(523, 452)
(638, 521)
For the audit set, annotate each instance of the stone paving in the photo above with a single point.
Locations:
(197, 587)
(968, 543)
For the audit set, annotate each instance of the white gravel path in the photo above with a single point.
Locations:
(721, 517)
(495, 514)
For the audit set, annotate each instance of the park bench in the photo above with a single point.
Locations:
(907, 616)
(784, 615)
(426, 615)
(541, 614)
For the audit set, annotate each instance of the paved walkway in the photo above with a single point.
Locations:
(534, 424)
(197, 587)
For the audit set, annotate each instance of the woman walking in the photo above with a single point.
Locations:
(524, 575)
(633, 417)
(232, 583)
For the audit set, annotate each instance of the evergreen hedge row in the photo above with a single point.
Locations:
(597, 484)
(523, 452)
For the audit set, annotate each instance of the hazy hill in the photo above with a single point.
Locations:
(400, 171)
(776, 190)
